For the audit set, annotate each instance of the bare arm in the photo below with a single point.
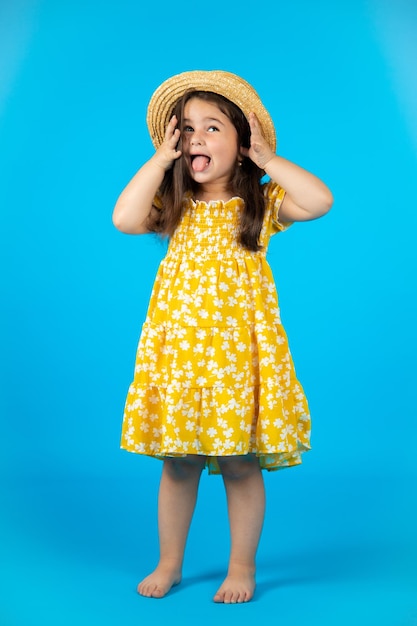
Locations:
(307, 197)
(134, 204)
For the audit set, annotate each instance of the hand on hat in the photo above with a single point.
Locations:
(259, 151)
(167, 152)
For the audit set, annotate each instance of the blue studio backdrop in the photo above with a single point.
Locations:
(78, 515)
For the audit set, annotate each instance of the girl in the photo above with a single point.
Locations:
(214, 382)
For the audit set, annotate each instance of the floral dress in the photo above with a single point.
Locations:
(214, 374)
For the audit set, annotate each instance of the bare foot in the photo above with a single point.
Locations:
(238, 586)
(157, 584)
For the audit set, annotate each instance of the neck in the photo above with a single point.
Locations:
(214, 191)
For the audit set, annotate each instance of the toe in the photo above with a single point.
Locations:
(228, 597)
(146, 590)
(158, 592)
(235, 597)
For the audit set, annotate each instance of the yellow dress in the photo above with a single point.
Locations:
(214, 374)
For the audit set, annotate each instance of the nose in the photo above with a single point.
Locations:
(196, 140)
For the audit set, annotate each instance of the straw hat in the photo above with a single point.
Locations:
(226, 84)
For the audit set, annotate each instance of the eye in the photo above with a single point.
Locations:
(188, 129)
(212, 129)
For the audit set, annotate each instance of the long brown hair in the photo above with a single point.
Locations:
(245, 182)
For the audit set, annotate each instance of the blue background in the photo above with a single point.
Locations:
(78, 516)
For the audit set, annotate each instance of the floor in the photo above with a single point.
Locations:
(334, 551)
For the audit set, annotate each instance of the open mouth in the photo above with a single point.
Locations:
(199, 162)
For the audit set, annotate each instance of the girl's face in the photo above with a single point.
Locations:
(209, 142)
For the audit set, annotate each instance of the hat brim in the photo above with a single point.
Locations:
(226, 84)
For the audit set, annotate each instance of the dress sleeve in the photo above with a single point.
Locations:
(274, 195)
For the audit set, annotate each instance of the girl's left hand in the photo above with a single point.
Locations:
(259, 152)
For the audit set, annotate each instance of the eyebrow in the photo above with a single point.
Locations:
(205, 119)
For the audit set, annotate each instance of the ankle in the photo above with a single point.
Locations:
(172, 564)
(242, 566)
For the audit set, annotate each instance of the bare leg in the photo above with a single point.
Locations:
(177, 498)
(245, 492)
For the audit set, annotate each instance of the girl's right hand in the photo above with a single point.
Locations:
(167, 152)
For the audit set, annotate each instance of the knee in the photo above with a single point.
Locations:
(183, 468)
(238, 467)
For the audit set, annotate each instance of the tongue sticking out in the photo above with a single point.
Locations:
(200, 163)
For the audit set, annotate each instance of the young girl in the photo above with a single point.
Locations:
(214, 382)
